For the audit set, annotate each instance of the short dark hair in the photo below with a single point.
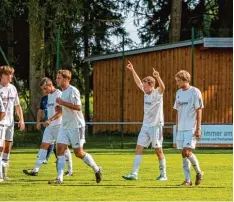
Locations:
(45, 80)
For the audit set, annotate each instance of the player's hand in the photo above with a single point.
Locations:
(38, 126)
(46, 123)
(129, 66)
(198, 134)
(59, 101)
(58, 108)
(21, 125)
(155, 73)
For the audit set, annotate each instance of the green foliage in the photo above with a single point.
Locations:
(209, 18)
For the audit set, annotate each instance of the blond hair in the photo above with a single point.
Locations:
(183, 75)
(150, 80)
(66, 74)
(7, 70)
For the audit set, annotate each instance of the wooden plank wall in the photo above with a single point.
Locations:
(212, 75)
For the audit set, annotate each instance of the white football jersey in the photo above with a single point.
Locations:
(186, 103)
(153, 109)
(10, 99)
(72, 118)
(51, 104)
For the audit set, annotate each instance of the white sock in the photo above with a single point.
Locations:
(195, 163)
(162, 167)
(88, 159)
(186, 168)
(5, 158)
(40, 158)
(68, 158)
(1, 176)
(60, 167)
(136, 164)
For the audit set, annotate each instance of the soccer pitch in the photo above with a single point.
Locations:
(216, 164)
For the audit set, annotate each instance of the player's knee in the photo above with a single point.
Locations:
(80, 154)
(139, 149)
(187, 153)
(159, 152)
(45, 145)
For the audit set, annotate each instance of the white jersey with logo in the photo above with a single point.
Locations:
(10, 99)
(153, 109)
(72, 118)
(186, 103)
(51, 103)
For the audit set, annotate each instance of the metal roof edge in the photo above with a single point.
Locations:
(146, 50)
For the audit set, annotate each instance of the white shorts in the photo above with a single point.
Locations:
(185, 139)
(9, 133)
(153, 135)
(75, 137)
(50, 134)
(2, 135)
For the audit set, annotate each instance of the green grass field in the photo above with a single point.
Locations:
(217, 185)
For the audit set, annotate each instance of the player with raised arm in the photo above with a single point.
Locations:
(151, 131)
(188, 105)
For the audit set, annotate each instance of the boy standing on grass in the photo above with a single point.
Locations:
(43, 110)
(10, 100)
(151, 131)
(2, 135)
(189, 106)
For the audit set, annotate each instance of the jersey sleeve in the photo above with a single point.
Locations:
(17, 101)
(2, 108)
(75, 97)
(198, 102)
(156, 91)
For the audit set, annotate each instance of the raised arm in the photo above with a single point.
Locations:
(135, 76)
(160, 82)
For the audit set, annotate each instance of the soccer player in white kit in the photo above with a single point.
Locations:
(52, 125)
(10, 100)
(188, 105)
(151, 131)
(72, 128)
(2, 135)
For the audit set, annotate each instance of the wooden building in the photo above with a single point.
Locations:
(213, 75)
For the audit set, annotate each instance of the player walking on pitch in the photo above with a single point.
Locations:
(72, 129)
(52, 125)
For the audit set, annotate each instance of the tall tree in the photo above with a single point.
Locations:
(175, 26)
(36, 20)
